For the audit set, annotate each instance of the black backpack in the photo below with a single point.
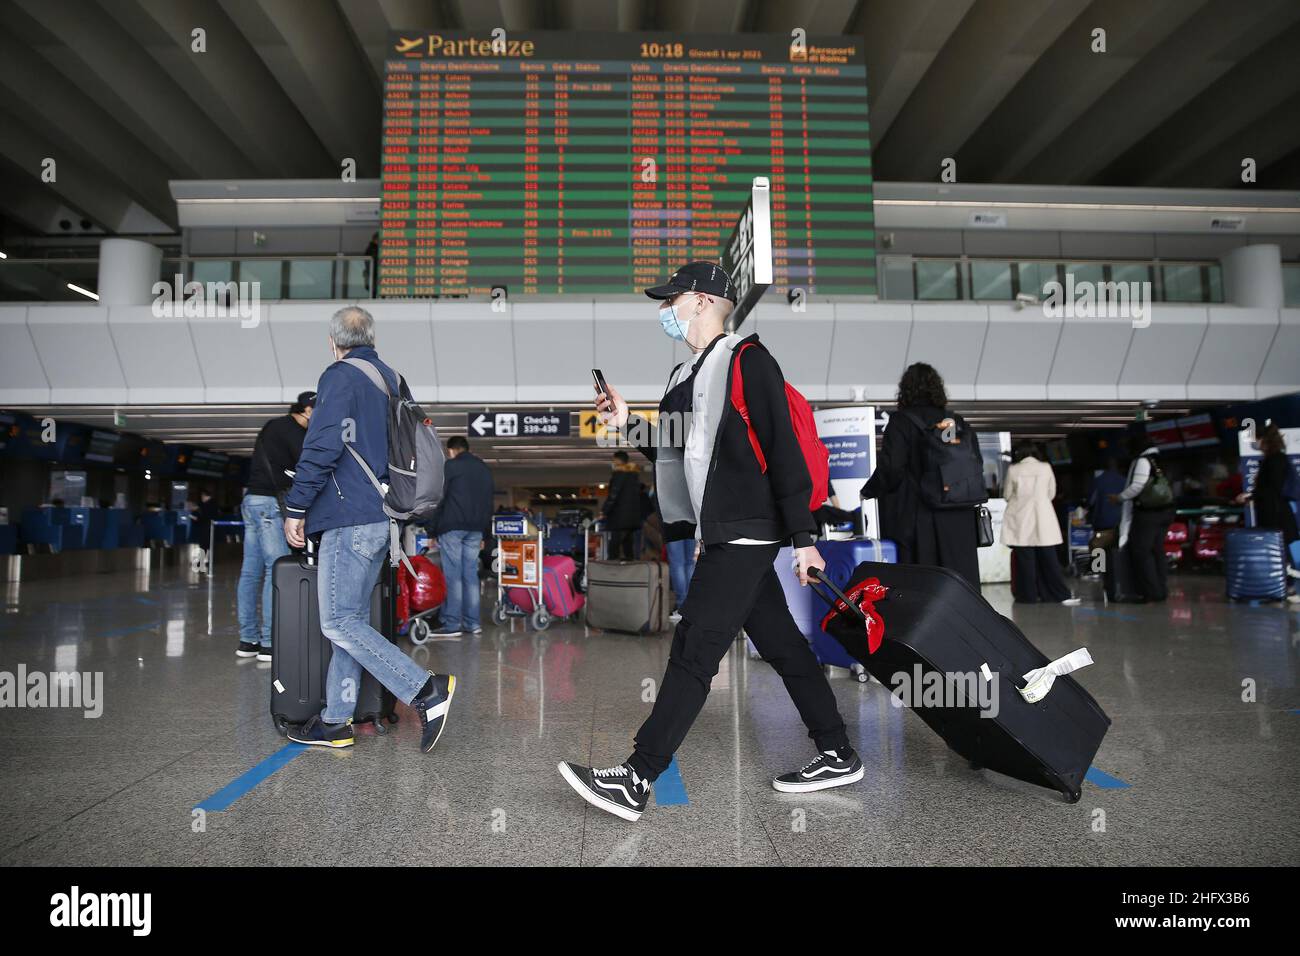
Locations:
(952, 475)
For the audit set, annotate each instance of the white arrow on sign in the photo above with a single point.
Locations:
(480, 424)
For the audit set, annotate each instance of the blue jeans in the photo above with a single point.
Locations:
(459, 551)
(263, 543)
(349, 563)
(681, 566)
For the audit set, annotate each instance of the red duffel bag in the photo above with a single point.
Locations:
(427, 590)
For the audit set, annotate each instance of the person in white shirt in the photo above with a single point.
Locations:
(1032, 532)
(1142, 528)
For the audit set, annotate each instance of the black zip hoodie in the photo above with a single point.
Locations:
(741, 500)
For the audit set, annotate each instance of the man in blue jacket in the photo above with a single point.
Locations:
(466, 509)
(332, 498)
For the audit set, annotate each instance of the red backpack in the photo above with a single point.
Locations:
(815, 455)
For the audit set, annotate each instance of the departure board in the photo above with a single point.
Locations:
(589, 163)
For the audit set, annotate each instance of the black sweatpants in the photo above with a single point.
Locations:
(1146, 544)
(734, 585)
(622, 545)
(1038, 576)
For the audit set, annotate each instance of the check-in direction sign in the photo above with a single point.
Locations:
(517, 424)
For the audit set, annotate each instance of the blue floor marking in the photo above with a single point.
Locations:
(1104, 780)
(1116, 614)
(669, 789)
(223, 798)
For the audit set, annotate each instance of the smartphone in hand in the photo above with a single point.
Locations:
(599, 378)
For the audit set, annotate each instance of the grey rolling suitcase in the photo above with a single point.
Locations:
(630, 596)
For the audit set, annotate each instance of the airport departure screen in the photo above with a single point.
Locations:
(589, 163)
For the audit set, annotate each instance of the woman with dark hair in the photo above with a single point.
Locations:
(924, 534)
(1030, 529)
(1272, 507)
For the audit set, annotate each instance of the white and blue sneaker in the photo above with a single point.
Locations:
(432, 706)
(828, 769)
(617, 790)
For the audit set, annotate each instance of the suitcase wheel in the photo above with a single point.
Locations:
(381, 728)
(419, 631)
(859, 673)
(281, 725)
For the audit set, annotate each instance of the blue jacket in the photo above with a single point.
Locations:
(329, 487)
(467, 495)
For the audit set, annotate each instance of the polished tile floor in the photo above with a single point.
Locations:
(1190, 773)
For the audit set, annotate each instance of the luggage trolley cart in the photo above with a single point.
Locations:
(520, 553)
(1080, 547)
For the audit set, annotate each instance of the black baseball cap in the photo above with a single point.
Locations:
(700, 276)
(306, 399)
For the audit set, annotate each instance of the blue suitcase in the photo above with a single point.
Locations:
(842, 557)
(562, 539)
(1255, 565)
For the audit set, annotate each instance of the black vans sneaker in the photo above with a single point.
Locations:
(617, 790)
(319, 734)
(432, 708)
(248, 649)
(827, 770)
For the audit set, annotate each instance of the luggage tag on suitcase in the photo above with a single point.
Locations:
(1039, 680)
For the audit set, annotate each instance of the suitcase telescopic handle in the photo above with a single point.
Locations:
(816, 574)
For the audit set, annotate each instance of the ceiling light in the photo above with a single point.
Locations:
(86, 292)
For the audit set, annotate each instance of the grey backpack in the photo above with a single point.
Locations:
(415, 461)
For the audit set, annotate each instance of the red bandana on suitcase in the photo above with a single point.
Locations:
(864, 594)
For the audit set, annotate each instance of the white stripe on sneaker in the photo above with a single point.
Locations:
(437, 710)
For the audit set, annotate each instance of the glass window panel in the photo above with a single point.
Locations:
(1092, 272)
(266, 273)
(356, 276)
(1216, 283)
(991, 280)
(1182, 283)
(1130, 272)
(1035, 275)
(1291, 286)
(311, 279)
(936, 280)
(210, 270)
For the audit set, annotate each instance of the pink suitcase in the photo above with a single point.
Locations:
(559, 574)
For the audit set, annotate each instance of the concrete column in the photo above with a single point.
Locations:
(128, 269)
(1252, 276)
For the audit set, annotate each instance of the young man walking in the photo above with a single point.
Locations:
(707, 473)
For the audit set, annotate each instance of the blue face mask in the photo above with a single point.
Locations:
(675, 327)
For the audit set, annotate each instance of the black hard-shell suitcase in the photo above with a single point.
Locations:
(1117, 578)
(300, 653)
(933, 618)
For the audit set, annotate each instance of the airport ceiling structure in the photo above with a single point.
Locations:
(1011, 89)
